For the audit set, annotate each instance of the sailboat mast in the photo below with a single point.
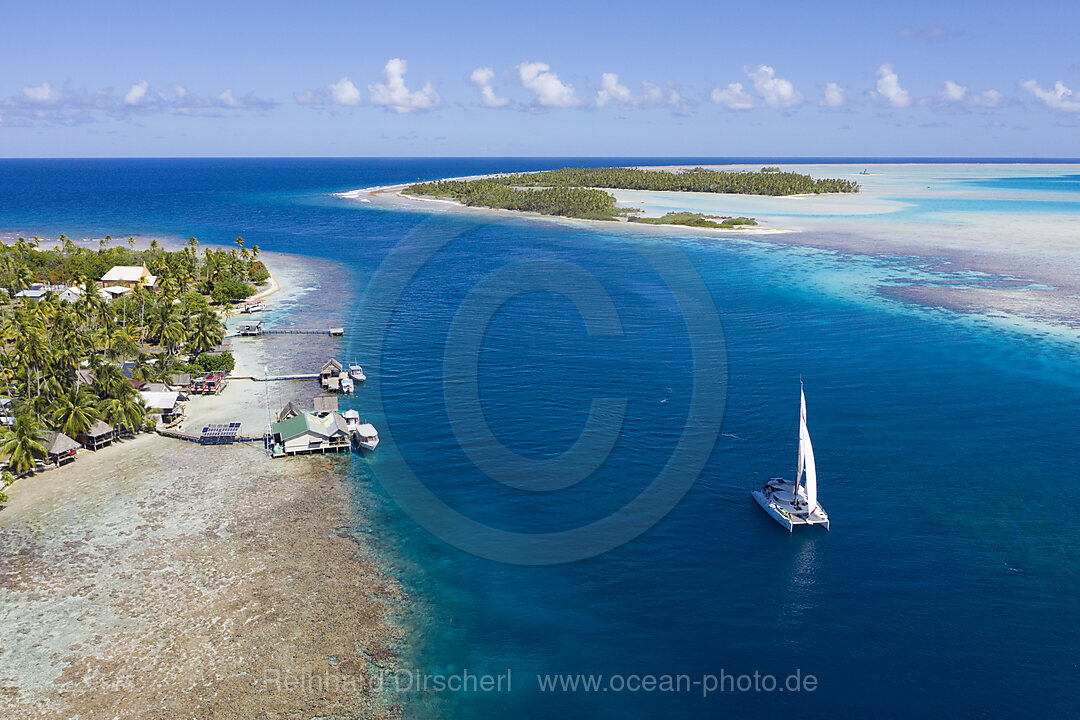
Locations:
(799, 449)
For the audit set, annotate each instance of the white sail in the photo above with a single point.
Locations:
(806, 457)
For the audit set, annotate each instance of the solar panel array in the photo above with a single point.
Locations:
(219, 434)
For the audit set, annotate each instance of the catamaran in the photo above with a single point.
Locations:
(795, 503)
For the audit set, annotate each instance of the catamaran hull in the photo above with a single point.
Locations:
(787, 520)
(773, 511)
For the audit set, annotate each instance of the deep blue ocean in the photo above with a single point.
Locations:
(948, 451)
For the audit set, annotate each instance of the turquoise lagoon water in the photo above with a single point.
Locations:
(947, 449)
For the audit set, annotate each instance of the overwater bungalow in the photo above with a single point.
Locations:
(98, 436)
(250, 327)
(331, 369)
(309, 433)
(333, 377)
(59, 448)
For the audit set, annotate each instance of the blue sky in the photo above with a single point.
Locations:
(555, 78)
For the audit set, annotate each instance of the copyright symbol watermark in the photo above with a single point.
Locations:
(533, 475)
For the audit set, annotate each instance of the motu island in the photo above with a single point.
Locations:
(576, 193)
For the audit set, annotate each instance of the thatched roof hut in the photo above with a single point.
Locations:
(59, 448)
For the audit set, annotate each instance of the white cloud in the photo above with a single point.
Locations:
(834, 96)
(43, 94)
(733, 97)
(481, 77)
(954, 93)
(394, 95)
(957, 94)
(309, 97)
(549, 90)
(776, 92)
(343, 92)
(888, 87)
(137, 93)
(226, 98)
(655, 96)
(47, 104)
(612, 92)
(1060, 98)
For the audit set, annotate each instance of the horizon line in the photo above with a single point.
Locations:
(724, 158)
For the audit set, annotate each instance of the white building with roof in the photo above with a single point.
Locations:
(129, 276)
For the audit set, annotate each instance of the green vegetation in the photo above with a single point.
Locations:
(575, 192)
(6, 478)
(21, 442)
(258, 273)
(229, 290)
(696, 220)
(60, 359)
(207, 362)
(694, 180)
(577, 202)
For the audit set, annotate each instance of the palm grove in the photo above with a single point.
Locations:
(573, 192)
(163, 330)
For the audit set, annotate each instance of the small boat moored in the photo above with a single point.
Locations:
(357, 373)
(364, 435)
(795, 503)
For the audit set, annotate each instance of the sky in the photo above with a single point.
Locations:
(483, 78)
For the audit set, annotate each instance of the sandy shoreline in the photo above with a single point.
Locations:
(1033, 266)
(396, 191)
(161, 579)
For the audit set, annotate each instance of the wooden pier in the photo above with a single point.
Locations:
(198, 439)
(274, 378)
(332, 332)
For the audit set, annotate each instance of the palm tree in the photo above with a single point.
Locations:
(33, 348)
(206, 333)
(127, 411)
(131, 242)
(122, 345)
(172, 335)
(22, 278)
(239, 242)
(110, 382)
(75, 412)
(22, 443)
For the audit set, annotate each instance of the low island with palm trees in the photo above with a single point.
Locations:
(83, 327)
